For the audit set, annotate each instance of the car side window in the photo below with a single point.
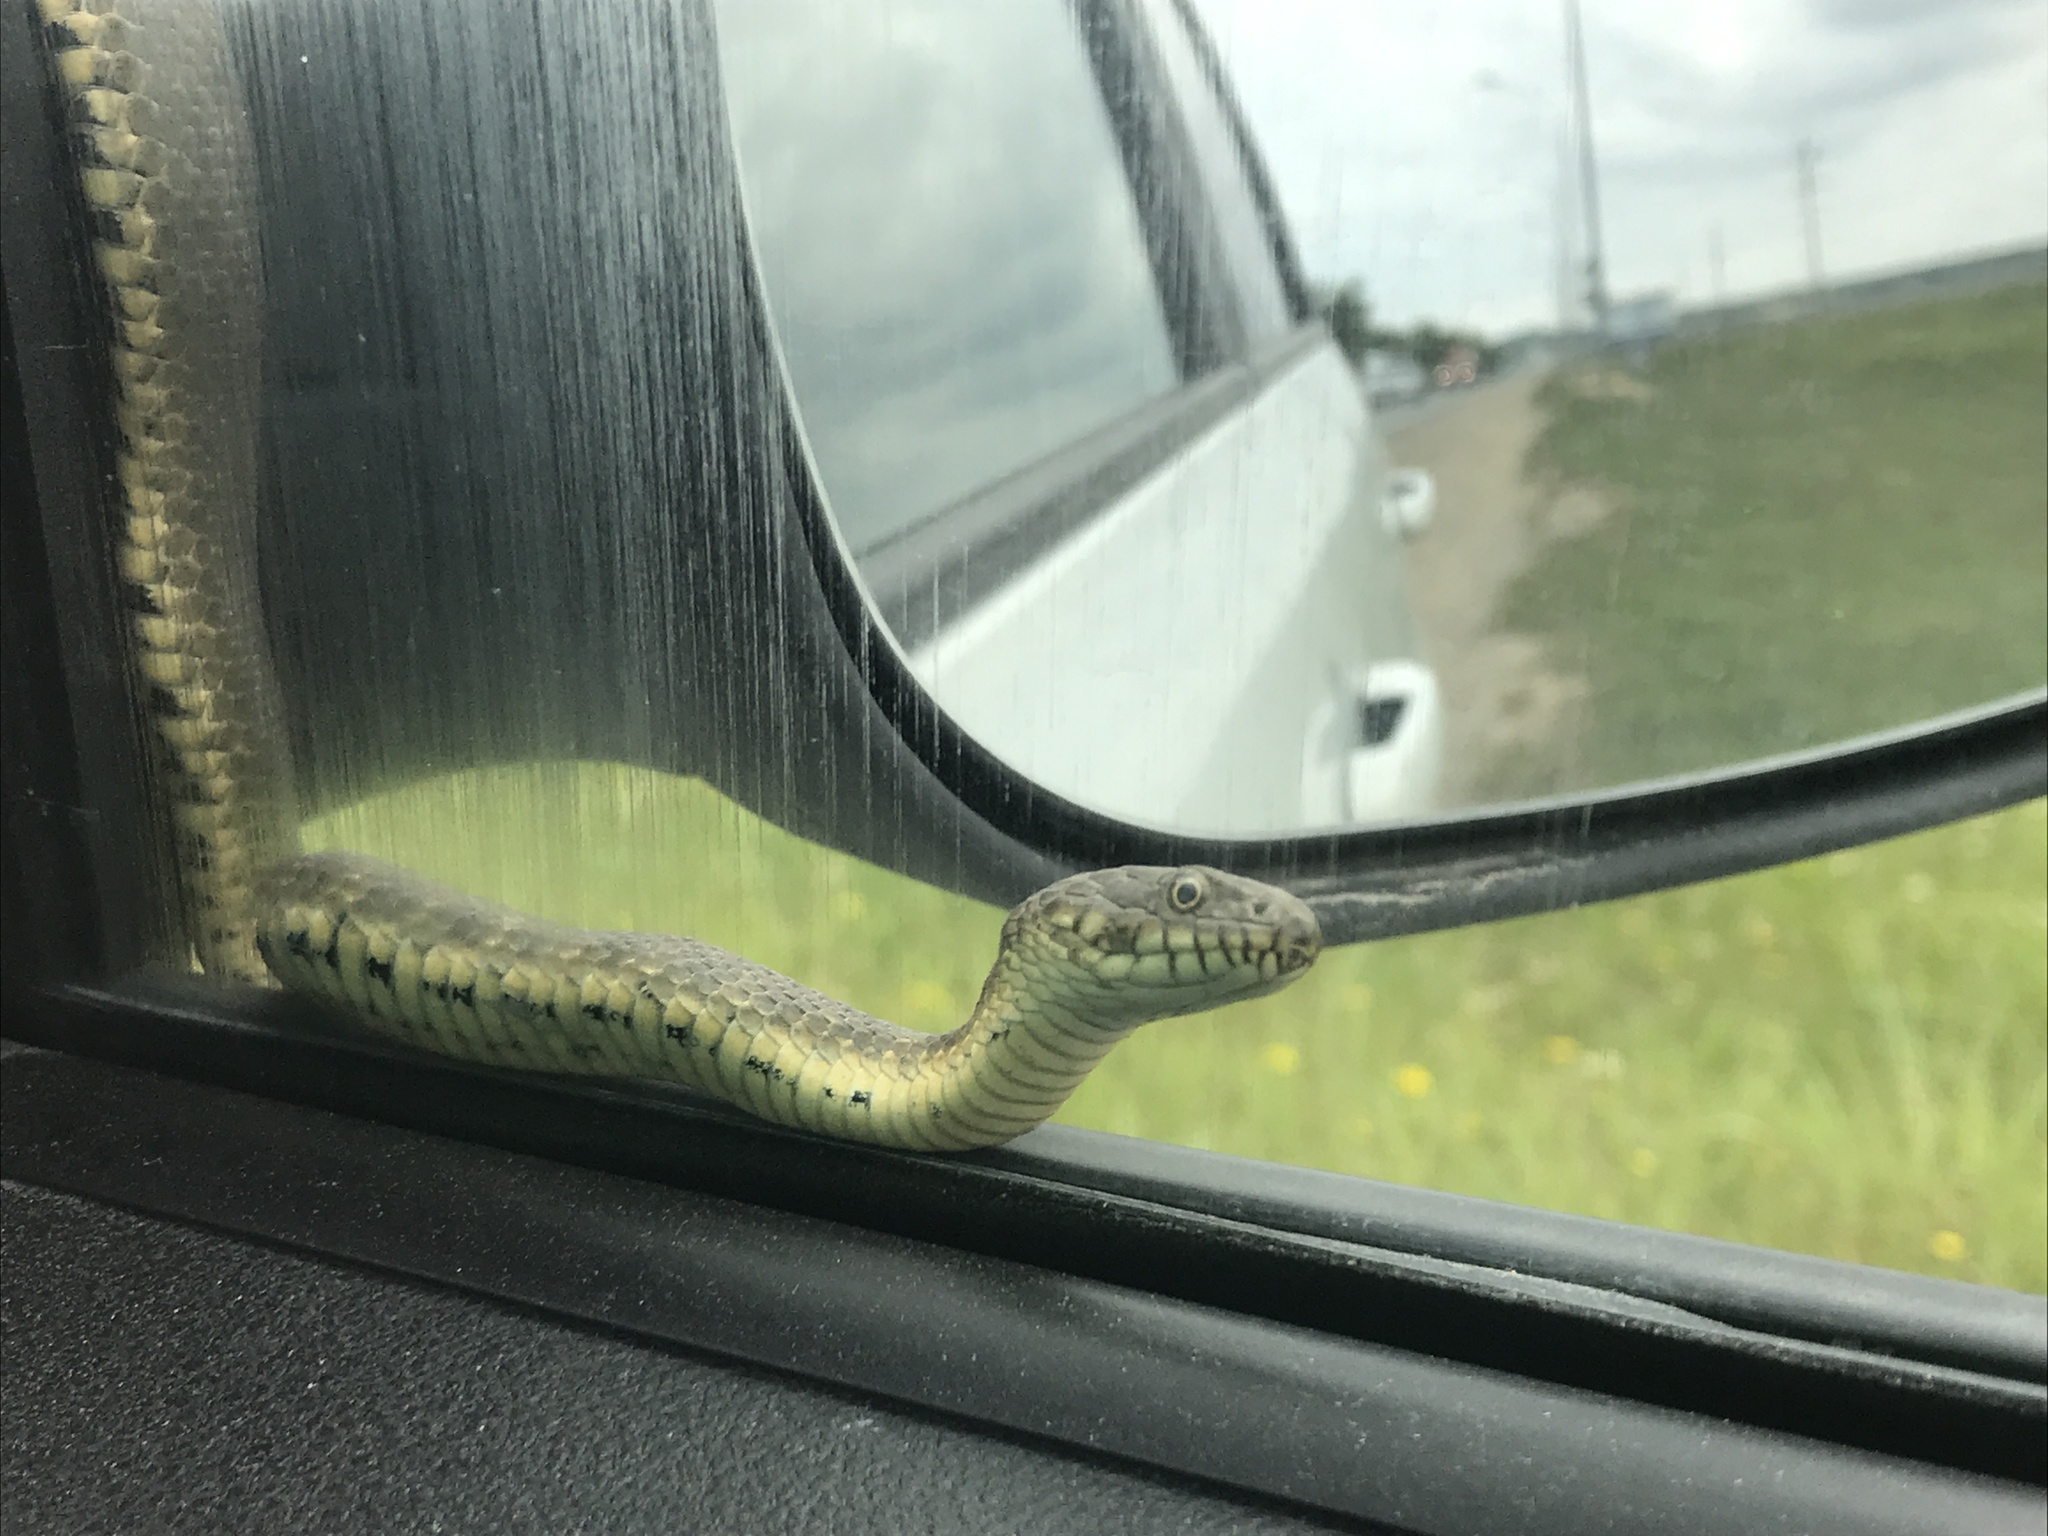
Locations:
(947, 239)
(529, 584)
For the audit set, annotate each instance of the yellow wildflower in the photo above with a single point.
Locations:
(1413, 1080)
(1281, 1059)
(1948, 1246)
(1560, 1050)
(1642, 1162)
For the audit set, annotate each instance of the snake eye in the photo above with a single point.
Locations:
(1186, 891)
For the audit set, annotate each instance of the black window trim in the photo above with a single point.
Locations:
(70, 711)
(1278, 235)
(1196, 294)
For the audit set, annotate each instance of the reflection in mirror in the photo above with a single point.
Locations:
(1676, 398)
(1115, 496)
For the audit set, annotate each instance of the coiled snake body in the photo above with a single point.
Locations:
(1082, 963)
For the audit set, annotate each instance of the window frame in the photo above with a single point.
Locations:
(1099, 1315)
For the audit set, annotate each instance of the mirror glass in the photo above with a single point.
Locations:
(1249, 420)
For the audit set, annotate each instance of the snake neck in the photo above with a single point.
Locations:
(1035, 1033)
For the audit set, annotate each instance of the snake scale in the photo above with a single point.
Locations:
(1081, 963)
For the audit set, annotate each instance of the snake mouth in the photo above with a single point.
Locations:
(1297, 948)
(1222, 954)
(1296, 945)
(1186, 938)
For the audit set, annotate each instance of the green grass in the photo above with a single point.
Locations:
(1844, 1057)
(1817, 530)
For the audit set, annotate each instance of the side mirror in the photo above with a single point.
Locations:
(1408, 505)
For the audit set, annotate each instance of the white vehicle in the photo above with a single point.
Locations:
(1082, 444)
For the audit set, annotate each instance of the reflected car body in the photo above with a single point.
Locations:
(1114, 491)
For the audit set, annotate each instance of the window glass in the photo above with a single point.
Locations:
(500, 547)
(1247, 249)
(948, 240)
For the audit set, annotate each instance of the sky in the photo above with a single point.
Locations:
(1418, 145)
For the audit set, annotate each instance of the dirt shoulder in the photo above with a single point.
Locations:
(1505, 697)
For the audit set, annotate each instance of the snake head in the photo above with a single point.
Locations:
(1146, 942)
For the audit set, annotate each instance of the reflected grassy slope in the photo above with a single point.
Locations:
(1817, 530)
(1844, 1057)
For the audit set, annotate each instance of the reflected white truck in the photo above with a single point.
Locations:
(1229, 649)
(1104, 478)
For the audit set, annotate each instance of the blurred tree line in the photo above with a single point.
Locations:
(1345, 310)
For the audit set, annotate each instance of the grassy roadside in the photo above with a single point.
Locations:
(1842, 1057)
(1815, 530)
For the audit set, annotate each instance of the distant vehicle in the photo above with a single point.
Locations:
(1460, 366)
(1408, 504)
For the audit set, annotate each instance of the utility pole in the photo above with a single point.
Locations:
(1589, 171)
(1566, 271)
(1805, 158)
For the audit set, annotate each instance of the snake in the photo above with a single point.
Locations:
(1080, 964)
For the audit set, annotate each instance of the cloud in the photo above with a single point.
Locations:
(1420, 145)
